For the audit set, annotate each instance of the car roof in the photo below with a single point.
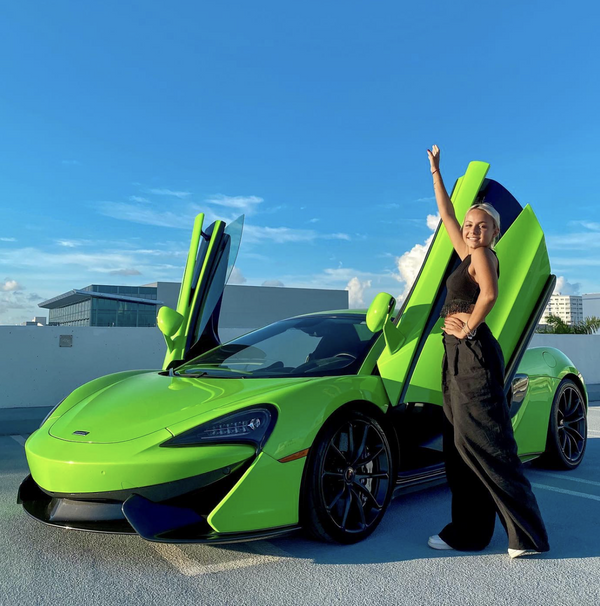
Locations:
(335, 313)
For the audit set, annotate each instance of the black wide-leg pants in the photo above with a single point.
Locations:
(484, 471)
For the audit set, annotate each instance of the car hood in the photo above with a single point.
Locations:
(145, 403)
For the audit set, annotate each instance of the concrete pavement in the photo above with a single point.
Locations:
(44, 565)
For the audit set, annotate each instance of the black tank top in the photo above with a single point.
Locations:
(462, 289)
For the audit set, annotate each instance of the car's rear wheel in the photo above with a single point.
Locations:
(567, 429)
(349, 479)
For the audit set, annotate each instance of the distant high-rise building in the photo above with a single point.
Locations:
(243, 308)
(104, 305)
(569, 308)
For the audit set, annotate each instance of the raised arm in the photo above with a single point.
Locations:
(445, 204)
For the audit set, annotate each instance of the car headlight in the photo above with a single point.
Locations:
(248, 426)
(52, 412)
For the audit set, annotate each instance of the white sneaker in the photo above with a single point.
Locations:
(436, 543)
(517, 553)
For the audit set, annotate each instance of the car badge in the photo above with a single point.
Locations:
(80, 433)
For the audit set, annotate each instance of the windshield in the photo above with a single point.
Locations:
(313, 346)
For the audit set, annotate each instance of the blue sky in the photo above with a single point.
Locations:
(122, 120)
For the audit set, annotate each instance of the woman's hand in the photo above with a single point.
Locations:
(434, 158)
(454, 326)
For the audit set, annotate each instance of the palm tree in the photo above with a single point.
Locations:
(558, 326)
(589, 326)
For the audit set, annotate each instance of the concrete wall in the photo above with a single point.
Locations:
(583, 350)
(35, 371)
(245, 308)
(248, 307)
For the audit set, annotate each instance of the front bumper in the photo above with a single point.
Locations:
(253, 499)
(175, 512)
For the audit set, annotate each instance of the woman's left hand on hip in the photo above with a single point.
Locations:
(454, 327)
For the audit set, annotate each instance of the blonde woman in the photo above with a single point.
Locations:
(484, 471)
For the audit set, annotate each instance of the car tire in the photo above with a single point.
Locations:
(349, 479)
(567, 428)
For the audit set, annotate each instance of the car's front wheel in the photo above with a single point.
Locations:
(567, 429)
(349, 479)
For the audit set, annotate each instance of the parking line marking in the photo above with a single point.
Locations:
(565, 477)
(573, 493)
(192, 568)
(20, 439)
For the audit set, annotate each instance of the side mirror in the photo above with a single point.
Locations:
(169, 321)
(379, 311)
(378, 318)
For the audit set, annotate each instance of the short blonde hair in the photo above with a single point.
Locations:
(492, 212)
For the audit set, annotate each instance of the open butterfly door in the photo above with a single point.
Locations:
(411, 366)
(193, 328)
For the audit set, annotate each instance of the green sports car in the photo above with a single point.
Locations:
(313, 422)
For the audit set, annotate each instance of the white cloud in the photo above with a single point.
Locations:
(72, 263)
(432, 221)
(10, 285)
(273, 283)
(272, 209)
(147, 216)
(280, 235)
(574, 241)
(578, 261)
(68, 243)
(243, 204)
(125, 272)
(587, 224)
(184, 218)
(356, 291)
(8, 239)
(17, 307)
(138, 199)
(237, 277)
(411, 261)
(564, 287)
(313, 220)
(169, 192)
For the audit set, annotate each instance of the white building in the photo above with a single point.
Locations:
(591, 305)
(569, 308)
(37, 321)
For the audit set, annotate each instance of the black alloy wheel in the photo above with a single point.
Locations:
(349, 479)
(567, 430)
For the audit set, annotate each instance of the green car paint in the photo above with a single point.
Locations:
(267, 496)
(519, 290)
(394, 365)
(86, 390)
(188, 293)
(112, 434)
(525, 269)
(80, 468)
